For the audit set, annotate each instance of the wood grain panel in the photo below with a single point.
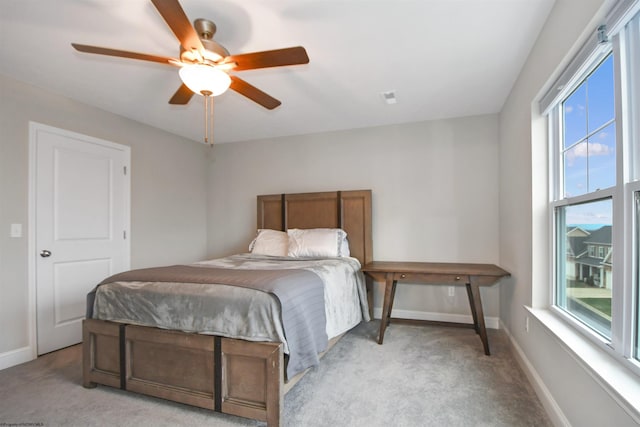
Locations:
(312, 210)
(252, 375)
(356, 221)
(100, 353)
(270, 214)
(170, 365)
(445, 279)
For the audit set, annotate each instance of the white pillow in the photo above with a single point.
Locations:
(323, 242)
(270, 242)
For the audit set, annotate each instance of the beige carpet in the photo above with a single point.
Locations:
(421, 376)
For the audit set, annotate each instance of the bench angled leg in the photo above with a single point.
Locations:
(389, 289)
(475, 303)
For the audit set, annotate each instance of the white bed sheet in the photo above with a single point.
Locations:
(345, 292)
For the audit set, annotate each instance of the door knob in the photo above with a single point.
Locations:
(45, 253)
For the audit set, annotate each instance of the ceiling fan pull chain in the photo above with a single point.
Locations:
(206, 120)
(211, 121)
(208, 116)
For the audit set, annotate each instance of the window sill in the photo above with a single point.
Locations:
(617, 380)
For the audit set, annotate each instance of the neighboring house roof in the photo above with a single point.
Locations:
(601, 236)
(576, 246)
(575, 241)
(594, 262)
(577, 232)
(578, 241)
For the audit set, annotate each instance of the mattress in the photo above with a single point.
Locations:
(237, 309)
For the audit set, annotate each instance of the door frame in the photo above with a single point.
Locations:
(34, 128)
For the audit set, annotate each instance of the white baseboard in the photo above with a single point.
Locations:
(490, 322)
(546, 398)
(16, 357)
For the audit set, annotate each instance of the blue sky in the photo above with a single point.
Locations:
(589, 160)
(594, 213)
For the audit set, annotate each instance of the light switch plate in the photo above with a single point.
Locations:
(16, 230)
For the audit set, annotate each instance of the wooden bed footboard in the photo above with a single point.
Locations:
(226, 375)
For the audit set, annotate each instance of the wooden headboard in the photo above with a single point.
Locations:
(349, 210)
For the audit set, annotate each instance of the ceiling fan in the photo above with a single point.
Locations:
(204, 63)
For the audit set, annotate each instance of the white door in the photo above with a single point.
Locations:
(81, 225)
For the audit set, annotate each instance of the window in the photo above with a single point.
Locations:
(583, 280)
(586, 147)
(595, 189)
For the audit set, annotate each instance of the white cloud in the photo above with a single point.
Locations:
(588, 149)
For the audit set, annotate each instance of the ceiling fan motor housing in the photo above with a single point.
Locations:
(215, 52)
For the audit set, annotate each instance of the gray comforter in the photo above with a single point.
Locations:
(198, 298)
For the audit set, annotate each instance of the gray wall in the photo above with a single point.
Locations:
(434, 184)
(569, 391)
(168, 192)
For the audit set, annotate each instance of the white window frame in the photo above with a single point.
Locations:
(626, 272)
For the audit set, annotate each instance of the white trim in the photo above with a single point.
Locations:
(617, 381)
(620, 14)
(34, 128)
(490, 322)
(591, 52)
(15, 357)
(546, 398)
(31, 243)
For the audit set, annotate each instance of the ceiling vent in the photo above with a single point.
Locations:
(389, 97)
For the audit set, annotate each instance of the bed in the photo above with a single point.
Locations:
(244, 376)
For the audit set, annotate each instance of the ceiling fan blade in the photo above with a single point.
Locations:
(269, 58)
(177, 20)
(253, 93)
(182, 96)
(124, 54)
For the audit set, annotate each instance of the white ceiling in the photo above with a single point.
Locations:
(443, 58)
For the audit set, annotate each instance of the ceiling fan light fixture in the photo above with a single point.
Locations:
(205, 79)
